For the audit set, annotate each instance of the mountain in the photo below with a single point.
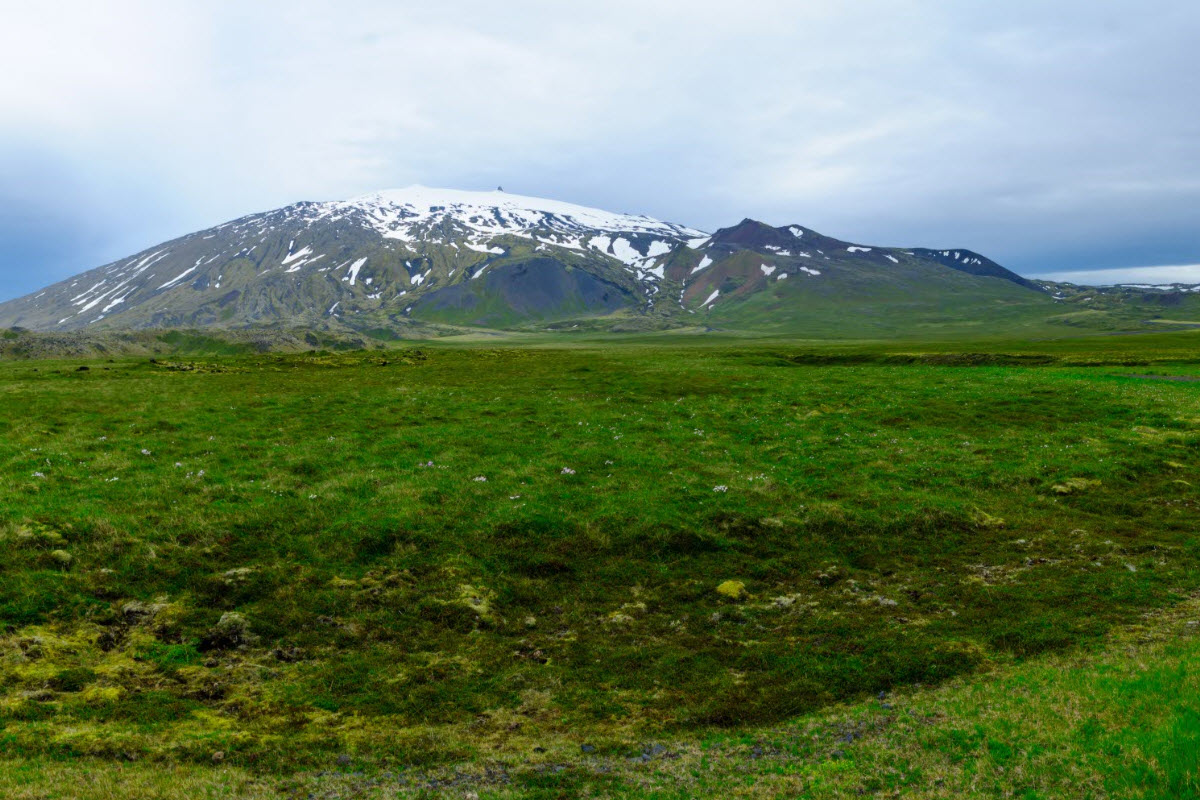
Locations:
(1136, 306)
(399, 258)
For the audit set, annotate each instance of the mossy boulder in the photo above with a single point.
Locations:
(231, 632)
(734, 590)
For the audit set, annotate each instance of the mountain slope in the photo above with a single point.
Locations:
(795, 280)
(490, 259)
(311, 263)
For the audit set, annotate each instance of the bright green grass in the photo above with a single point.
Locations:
(893, 523)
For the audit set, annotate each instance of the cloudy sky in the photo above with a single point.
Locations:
(1055, 137)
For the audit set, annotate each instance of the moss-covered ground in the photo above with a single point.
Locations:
(532, 560)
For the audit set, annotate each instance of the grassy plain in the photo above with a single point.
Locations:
(581, 566)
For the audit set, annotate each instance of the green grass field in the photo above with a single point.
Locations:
(564, 567)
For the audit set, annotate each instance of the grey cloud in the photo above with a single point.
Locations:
(1049, 136)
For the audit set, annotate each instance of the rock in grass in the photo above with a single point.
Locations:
(232, 631)
(982, 519)
(1073, 485)
(734, 590)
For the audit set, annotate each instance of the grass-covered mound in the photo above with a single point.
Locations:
(404, 558)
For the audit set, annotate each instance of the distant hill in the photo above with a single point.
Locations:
(420, 256)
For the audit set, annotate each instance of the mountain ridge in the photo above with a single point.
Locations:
(477, 259)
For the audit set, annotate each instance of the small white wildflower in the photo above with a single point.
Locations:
(145, 452)
(38, 475)
(111, 480)
(178, 465)
(104, 438)
(567, 471)
(331, 438)
(608, 463)
(514, 497)
(480, 478)
(721, 488)
(312, 497)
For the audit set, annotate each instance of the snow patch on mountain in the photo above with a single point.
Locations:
(176, 279)
(352, 273)
(658, 248)
(480, 248)
(301, 253)
(623, 251)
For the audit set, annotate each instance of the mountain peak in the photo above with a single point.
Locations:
(497, 209)
(754, 234)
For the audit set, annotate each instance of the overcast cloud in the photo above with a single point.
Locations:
(1052, 137)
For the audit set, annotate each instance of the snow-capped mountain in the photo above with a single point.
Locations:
(468, 258)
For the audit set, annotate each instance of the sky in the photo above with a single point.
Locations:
(1057, 138)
